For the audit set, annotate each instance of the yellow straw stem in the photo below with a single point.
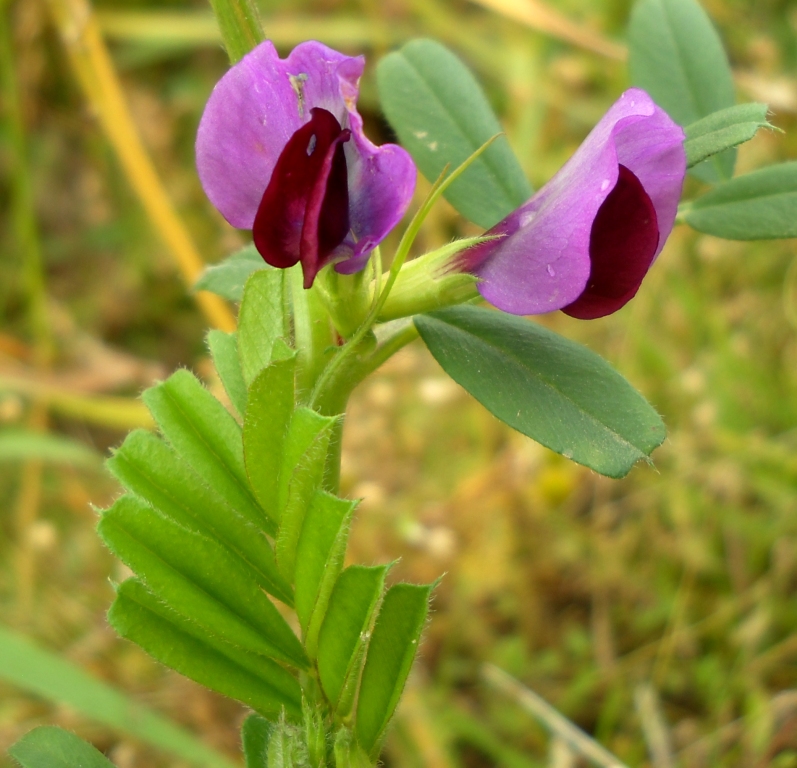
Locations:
(110, 411)
(95, 71)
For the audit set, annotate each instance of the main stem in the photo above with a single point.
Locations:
(240, 26)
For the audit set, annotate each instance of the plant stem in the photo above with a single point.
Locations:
(26, 511)
(544, 18)
(240, 26)
(312, 332)
(391, 338)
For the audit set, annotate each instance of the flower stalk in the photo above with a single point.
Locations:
(312, 331)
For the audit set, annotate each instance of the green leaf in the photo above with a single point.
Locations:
(676, 55)
(51, 747)
(261, 321)
(268, 415)
(303, 462)
(139, 616)
(757, 206)
(348, 753)
(227, 279)
(390, 655)
(319, 559)
(722, 130)
(442, 117)
(46, 674)
(224, 350)
(255, 735)
(345, 629)
(21, 444)
(202, 431)
(199, 579)
(543, 385)
(145, 465)
(282, 685)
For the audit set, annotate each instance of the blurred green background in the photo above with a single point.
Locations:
(660, 607)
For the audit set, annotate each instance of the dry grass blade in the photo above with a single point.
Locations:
(559, 726)
(105, 411)
(657, 735)
(561, 755)
(200, 28)
(26, 510)
(94, 69)
(28, 499)
(782, 708)
(542, 18)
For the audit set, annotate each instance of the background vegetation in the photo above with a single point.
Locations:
(657, 612)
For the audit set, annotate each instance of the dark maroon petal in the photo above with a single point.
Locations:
(303, 214)
(326, 222)
(622, 245)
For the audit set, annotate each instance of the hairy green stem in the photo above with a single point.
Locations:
(312, 332)
(391, 338)
(372, 353)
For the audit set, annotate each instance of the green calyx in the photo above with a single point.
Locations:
(347, 297)
(432, 281)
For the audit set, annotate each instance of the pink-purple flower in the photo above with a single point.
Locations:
(281, 150)
(585, 241)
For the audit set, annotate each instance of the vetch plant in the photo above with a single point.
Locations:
(231, 520)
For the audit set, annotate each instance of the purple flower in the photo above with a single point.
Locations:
(585, 241)
(281, 150)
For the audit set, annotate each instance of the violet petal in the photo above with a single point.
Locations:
(381, 183)
(255, 109)
(543, 261)
(248, 119)
(381, 179)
